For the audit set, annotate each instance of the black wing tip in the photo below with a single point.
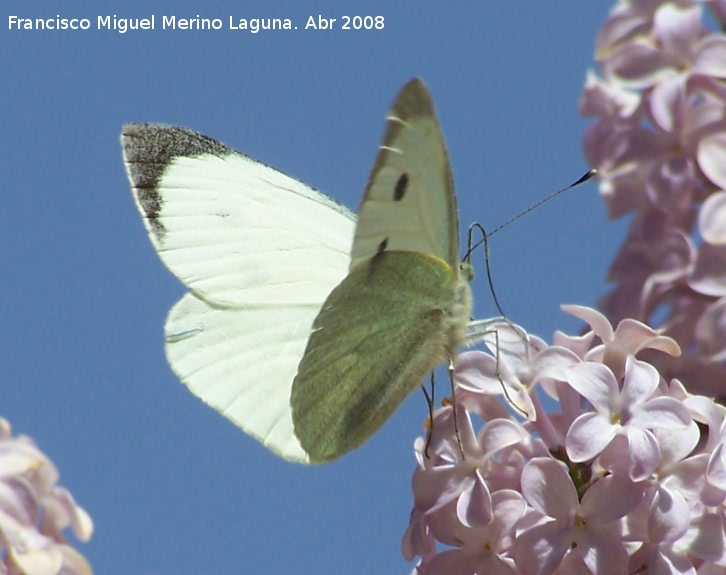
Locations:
(148, 150)
(415, 84)
(161, 144)
(414, 100)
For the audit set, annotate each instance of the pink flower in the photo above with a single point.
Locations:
(675, 43)
(445, 475)
(619, 430)
(518, 363)
(614, 479)
(34, 512)
(566, 521)
(595, 456)
(480, 541)
(659, 143)
(628, 339)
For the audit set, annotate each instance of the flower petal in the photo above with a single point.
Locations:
(602, 552)
(596, 383)
(474, 507)
(643, 453)
(669, 517)
(712, 216)
(547, 487)
(588, 436)
(611, 498)
(712, 158)
(540, 549)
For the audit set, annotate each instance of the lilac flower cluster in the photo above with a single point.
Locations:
(659, 143)
(605, 453)
(34, 511)
(627, 476)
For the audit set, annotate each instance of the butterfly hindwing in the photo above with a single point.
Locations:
(242, 362)
(379, 332)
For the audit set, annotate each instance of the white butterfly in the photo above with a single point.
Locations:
(303, 328)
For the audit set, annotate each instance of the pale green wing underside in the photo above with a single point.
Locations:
(379, 332)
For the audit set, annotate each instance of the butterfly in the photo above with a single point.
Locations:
(305, 325)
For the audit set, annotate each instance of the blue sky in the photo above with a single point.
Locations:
(172, 486)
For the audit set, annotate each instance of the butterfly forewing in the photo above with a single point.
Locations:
(409, 202)
(232, 228)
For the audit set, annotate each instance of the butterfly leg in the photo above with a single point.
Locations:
(430, 404)
(499, 376)
(454, 406)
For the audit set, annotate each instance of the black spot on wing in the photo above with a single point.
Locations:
(401, 187)
(148, 150)
(382, 246)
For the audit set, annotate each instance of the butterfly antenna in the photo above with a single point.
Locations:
(584, 178)
(503, 316)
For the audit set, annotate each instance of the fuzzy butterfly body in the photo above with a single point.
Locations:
(302, 326)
